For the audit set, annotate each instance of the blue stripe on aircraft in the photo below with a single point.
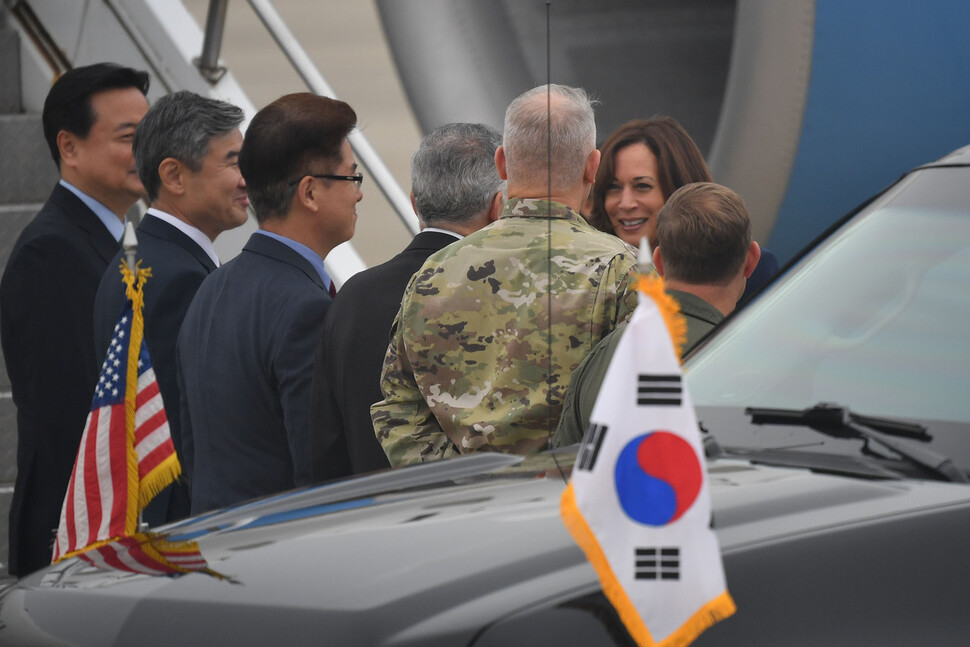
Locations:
(889, 90)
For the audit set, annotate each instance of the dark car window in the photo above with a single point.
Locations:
(877, 319)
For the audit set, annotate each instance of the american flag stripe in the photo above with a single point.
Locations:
(118, 556)
(67, 532)
(137, 558)
(114, 481)
(188, 562)
(153, 443)
(149, 398)
(100, 501)
(143, 553)
(88, 515)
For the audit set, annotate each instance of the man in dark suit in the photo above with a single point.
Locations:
(187, 154)
(245, 351)
(48, 288)
(455, 190)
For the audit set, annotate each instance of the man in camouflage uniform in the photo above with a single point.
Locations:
(471, 366)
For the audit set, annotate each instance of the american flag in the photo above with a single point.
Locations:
(149, 554)
(126, 455)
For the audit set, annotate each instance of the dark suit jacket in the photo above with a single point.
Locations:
(245, 360)
(46, 306)
(178, 267)
(349, 357)
(764, 271)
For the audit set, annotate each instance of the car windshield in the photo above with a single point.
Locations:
(875, 319)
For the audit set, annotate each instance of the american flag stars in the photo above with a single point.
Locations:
(109, 388)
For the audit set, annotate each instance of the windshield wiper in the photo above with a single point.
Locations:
(838, 422)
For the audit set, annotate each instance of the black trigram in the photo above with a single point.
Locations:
(590, 449)
(657, 563)
(658, 390)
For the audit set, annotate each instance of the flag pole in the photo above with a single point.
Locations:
(130, 244)
(644, 256)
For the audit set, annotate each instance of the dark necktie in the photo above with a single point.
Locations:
(333, 290)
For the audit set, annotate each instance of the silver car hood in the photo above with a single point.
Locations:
(421, 555)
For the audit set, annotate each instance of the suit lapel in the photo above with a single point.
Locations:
(272, 248)
(163, 230)
(89, 225)
(430, 241)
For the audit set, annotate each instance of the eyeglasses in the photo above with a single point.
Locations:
(356, 179)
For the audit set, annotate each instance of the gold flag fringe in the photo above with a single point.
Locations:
(158, 479)
(712, 612)
(134, 282)
(140, 493)
(653, 286)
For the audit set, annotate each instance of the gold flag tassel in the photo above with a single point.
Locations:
(140, 491)
(652, 286)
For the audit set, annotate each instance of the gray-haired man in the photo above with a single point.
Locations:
(491, 328)
(187, 155)
(455, 190)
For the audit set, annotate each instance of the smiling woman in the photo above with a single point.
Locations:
(643, 162)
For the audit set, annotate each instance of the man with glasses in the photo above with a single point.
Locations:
(245, 350)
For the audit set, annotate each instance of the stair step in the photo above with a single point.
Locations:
(8, 442)
(9, 72)
(27, 172)
(6, 496)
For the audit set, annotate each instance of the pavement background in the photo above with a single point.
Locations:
(346, 42)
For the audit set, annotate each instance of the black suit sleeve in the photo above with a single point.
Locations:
(49, 314)
(185, 425)
(293, 372)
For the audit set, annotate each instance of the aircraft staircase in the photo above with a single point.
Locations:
(26, 179)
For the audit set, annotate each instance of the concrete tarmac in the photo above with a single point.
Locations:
(346, 42)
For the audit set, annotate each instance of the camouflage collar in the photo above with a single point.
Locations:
(538, 208)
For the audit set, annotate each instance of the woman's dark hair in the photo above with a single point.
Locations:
(679, 161)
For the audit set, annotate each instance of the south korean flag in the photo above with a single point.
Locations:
(638, 502)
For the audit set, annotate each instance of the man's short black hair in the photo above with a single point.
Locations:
(68, 104)
(294, 136)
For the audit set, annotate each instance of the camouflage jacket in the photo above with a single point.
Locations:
(468, 366)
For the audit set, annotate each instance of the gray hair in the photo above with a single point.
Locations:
(528, 130)
(453, 174)
(180, 125)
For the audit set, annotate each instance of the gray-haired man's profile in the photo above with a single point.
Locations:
(455, 190)
(187, 155)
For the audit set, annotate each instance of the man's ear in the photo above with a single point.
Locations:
(592, 163)
(500, 163)
(66, 145)
(495, 209)
(658, 261)
(751, 259)
(170, 174)
(414, 207)
(306, 194)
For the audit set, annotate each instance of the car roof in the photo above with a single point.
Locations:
(959, 157)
